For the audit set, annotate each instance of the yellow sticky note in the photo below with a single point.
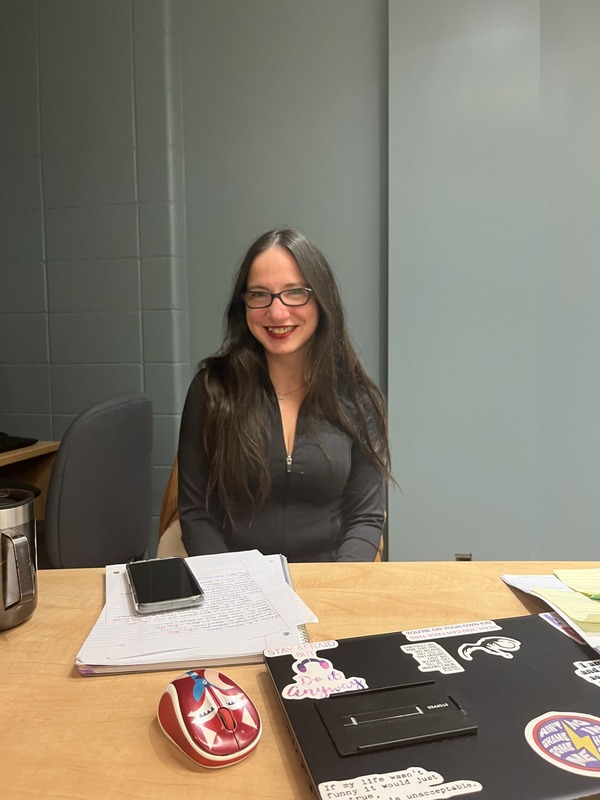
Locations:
(586, 581)
(577, 606)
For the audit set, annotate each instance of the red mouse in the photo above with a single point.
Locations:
(209, 718)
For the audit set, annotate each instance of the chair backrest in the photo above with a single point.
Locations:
(98, 508)
(169, 511)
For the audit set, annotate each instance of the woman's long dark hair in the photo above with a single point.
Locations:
(240, 398)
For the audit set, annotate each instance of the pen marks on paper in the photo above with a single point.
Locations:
(503, 646)
(408, 784)
(567, 740)
(432, 658)
(588, 670)
(235, 603)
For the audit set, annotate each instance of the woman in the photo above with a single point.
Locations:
(283, 441)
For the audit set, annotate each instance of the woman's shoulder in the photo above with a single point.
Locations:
(203, 381)
(365, 410)
(210, 371)
(218, 380)
(362, 399)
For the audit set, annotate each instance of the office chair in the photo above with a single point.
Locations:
(169, 528)
(98, 507)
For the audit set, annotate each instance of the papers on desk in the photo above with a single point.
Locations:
(586, 581)
(249, 606)
(576, 608)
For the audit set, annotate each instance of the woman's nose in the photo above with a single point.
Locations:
(278, 310)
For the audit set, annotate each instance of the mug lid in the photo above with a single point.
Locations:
(9, 497)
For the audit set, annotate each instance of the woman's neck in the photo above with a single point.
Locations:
(286, 374)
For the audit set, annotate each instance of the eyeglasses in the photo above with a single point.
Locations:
(289, 297)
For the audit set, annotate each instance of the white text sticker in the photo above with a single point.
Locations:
(408, 784)
(432, 657)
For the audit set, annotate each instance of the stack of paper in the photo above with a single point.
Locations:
(249, 605)
(572, 594)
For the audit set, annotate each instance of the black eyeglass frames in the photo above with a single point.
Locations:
(289, 297)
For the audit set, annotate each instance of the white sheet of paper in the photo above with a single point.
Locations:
(94, 649)
(246, 598)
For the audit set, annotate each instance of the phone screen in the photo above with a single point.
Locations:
(166, 581)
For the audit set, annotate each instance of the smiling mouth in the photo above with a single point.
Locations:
(281, 331)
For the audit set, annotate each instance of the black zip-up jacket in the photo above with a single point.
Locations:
(326, 503)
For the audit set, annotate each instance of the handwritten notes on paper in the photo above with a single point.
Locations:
(248, 606)
(241, 599)
(233, 604)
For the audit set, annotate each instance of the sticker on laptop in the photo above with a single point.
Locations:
(568, 740)
(315, 677)
(588, 670)
(503, 646)
(443, 631)
(298, 651)
(432, 657)
(558, 622)
(404, 785)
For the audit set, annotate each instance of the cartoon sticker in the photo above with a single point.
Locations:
(460, 629)
(568, 740)
(589, 670)
(502, 646)
(432, 657)
(316, 678)
(408, 784)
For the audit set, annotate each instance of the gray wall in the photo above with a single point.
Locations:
(92, 222)
(285, 124)
(494, 383)
(277, 110)
(120, 120)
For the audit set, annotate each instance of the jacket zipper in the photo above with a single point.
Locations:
(288, 462)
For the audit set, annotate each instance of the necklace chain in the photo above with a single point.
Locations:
(283, 395)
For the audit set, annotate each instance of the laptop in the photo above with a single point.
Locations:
(498, 709)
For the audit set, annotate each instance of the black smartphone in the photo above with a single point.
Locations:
(163, 584)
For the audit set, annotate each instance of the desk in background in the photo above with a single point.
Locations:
(97, 737)
(33, 465)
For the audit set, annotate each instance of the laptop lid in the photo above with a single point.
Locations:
(495, 709)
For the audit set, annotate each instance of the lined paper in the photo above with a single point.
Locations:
(248, 607)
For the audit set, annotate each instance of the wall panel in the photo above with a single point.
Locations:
(493, 379)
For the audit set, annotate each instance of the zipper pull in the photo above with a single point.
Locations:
(288, 462)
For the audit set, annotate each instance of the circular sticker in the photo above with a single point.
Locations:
(568, 740)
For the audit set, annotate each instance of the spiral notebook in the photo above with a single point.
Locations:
(249, 605)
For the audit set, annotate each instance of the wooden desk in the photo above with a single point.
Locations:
(33, 465)
(94, 738)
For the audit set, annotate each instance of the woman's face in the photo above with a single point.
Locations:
(282, 330)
